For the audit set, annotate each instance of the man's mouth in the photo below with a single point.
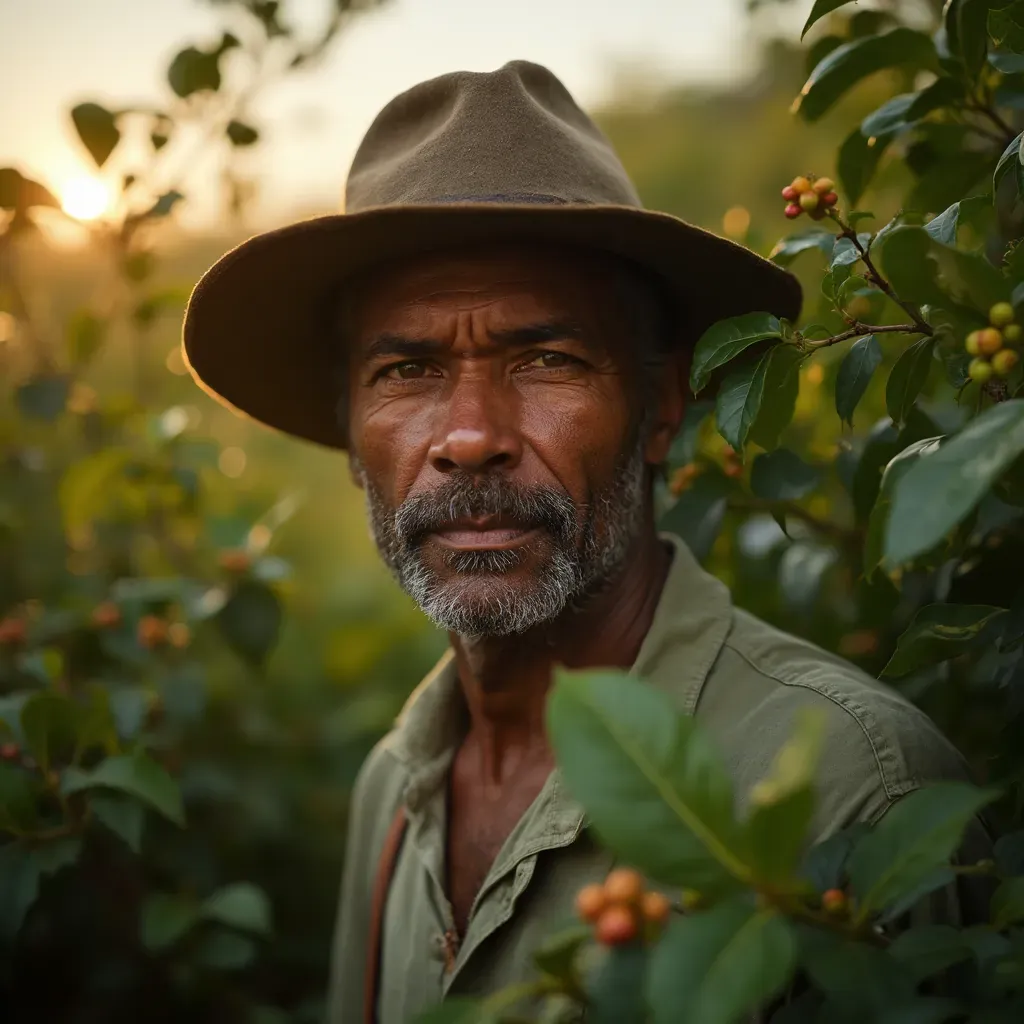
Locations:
(484, 533)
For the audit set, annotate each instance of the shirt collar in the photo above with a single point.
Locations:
(691, 621)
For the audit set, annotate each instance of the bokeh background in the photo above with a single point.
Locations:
(266, 728)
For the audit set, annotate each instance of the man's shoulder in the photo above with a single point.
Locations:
(878, 745)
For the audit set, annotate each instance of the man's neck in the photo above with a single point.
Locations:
(505, 680)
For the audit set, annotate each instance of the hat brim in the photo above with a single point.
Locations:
(258, 331)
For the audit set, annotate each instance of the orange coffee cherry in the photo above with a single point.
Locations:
(655, 907)
(616, 926)
(683, 478)
(792, 211)
(152, 631)
(591, 902)
(733, 470)
(106, 615)
(13, 632)
(823, 185)
(990, 341)
(800, 184)
(1003, 362)
(235, 561)
(834, 901)
(623, 885)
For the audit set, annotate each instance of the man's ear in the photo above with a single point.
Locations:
(670, 399)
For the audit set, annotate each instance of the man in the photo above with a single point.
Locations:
(498, 334)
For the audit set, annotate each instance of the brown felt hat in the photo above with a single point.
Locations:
(465, 158)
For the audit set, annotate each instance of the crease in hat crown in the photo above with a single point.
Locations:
(511, 135)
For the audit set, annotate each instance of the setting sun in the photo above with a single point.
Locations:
(85, 197)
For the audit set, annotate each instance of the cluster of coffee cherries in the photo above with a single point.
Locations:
(813, 196)
(621, 909)
(988, 345)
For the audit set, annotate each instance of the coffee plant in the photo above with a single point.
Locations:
(907, 530)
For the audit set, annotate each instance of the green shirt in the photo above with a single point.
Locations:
(743, 680)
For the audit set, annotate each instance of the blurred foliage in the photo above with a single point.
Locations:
(197, 630)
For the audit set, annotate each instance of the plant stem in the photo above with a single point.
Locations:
(986, 110)
(874, 277)
(859, 330)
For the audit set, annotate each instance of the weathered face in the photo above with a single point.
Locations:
(498, 426)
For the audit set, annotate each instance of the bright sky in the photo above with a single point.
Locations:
(57, 52)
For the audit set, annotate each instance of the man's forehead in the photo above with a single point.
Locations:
(530, 279)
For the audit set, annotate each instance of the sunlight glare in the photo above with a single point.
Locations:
(85, 197)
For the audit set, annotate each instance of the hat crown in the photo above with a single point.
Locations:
(511, 135)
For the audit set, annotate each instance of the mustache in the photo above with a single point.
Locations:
(465, 497)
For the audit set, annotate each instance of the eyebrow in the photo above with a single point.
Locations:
(389, 346)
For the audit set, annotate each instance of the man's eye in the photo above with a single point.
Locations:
(407, 371)
(551, 360)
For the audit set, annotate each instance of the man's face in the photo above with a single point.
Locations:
(498, 427)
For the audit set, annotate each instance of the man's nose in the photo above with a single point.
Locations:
(476, 432)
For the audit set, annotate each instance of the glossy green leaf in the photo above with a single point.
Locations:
(1008, 903)
(819, 10)
(939, 491)
(846, 253)
(164, 919)
(640, 769)
(49, 723)
(725, 340)
(241, 905)
(906, 379)
(615, 986)
(917, 836)
(904, 255)
(857, 162)
(1010, 163)
(787, 249)
(124, 816)
(874, 545)
(17, 797)
(782, 803)
(972, 33)
(698, 512)
(97, 128)
(929, 949)
(720, 965)
(251, 621)
(893, 115)
(969, 278)
(855, 373)
(136, 775)
(845, 66)
(778, 401)
(782, 475)
(557, 955)
(937, 633)
(862, 981)
(22, 868)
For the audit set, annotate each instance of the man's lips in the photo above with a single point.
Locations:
(484, 533)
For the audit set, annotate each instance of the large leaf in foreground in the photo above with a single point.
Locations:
(939, 632)
(725, 340)
(939, 490)
(916, 838)
(756, 402)
(641, 770)
(719, 966)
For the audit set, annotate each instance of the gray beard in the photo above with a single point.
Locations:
(589, 545)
